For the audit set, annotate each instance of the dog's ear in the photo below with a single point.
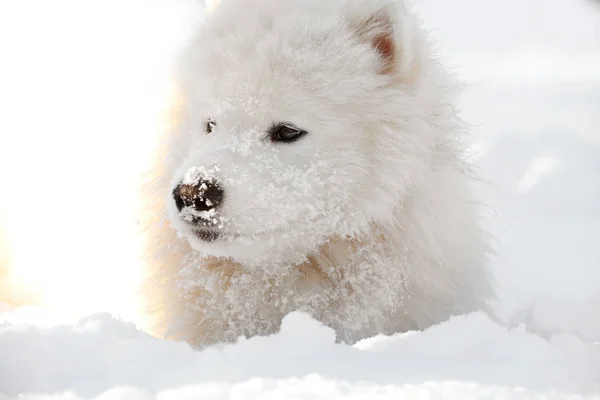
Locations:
(379, 28)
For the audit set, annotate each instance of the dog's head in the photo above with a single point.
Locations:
(302, 122)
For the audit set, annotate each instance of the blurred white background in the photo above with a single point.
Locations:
(82, 85)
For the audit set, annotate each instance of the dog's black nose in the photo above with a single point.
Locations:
(202, 196)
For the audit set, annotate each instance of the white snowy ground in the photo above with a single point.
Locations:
(78, 79)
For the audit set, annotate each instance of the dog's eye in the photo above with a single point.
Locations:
(210, 126)
(285, 133)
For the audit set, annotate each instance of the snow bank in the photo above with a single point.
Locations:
(466, 356)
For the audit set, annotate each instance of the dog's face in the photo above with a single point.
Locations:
(284, 119)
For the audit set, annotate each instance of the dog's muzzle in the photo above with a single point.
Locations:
(197, 204)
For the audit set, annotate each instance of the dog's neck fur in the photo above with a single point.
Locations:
(319, 286)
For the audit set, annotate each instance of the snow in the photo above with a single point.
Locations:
(533, 96)
(101, 353)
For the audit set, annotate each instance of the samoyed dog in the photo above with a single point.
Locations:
(316, 165)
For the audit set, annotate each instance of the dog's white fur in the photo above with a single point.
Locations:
(367, 223)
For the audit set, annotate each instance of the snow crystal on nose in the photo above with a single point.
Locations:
(196, 174)
(200, 178)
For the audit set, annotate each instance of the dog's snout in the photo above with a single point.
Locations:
(205, 195)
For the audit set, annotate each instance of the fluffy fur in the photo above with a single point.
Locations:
(367, 223)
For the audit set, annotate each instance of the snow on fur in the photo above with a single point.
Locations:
(367, 223)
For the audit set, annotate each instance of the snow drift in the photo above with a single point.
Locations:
(463, 357)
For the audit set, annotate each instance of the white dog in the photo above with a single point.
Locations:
(315, 166)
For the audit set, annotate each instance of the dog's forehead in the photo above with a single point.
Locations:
(274, 70)
(263, 53)
(272, 64)
(265, 42)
